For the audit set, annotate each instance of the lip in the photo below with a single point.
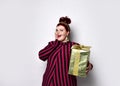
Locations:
(58, 36)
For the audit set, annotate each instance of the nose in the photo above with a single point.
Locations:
(57, 32)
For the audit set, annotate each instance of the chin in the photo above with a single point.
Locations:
(59, 39)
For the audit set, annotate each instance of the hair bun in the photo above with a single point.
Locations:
(65, 19)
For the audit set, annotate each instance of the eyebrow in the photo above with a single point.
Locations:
(60, 29)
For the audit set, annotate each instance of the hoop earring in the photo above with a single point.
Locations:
(67, 39)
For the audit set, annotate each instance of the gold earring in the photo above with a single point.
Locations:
(67, 39)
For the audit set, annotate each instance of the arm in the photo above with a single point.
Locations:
(45, 52)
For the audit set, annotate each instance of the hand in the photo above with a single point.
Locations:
(89, 67)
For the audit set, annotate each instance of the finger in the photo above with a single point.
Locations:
(90, 66)
(87, 68)
(87, 72)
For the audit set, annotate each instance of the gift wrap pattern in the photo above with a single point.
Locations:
(78, 60)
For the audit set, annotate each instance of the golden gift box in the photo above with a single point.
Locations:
(79, 60)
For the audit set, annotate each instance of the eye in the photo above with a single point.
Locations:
(56, 30)
(61, 30)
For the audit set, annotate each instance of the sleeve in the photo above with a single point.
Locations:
(75, 43)
(46, 51)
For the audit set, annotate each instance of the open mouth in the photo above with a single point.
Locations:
(59, 36)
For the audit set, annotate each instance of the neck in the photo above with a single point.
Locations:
(66, 40)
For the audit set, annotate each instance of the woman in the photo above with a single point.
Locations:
(57, 54)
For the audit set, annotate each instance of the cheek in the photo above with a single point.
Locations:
(55, 35)
(64, 34)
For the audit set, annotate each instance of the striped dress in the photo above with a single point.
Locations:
(57, 55)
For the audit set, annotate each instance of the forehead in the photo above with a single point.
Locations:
(60, 27)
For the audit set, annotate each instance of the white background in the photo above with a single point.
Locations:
(26, 26)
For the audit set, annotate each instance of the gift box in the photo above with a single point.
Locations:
(78, 60)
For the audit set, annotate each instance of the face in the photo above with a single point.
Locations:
(61, 33)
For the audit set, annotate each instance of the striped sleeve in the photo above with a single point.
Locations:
(46, 51)
(73, 43)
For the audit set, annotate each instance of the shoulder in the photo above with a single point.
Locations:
(73, 43)
(53, 42)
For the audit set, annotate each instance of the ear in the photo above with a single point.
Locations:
(68, 33)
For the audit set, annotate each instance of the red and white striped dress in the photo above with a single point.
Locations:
(57, 55)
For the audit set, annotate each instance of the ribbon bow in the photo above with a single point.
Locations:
(81, 47)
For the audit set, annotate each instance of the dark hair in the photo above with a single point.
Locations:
(65, 21)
